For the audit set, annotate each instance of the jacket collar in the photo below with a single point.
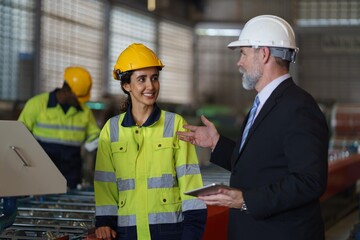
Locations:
(52, 102)
(272, 100)
(129, 121)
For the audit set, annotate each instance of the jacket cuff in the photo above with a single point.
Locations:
(109, 221)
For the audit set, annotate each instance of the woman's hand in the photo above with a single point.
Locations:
(105, 233)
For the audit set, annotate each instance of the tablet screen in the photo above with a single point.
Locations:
(212, 188)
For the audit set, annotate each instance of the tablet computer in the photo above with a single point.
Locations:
(207, 190)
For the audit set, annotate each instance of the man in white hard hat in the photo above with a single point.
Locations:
(279, 163)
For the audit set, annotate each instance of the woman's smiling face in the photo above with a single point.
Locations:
(144, 86)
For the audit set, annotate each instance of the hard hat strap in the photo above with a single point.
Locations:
(283, 53)
(116, 73)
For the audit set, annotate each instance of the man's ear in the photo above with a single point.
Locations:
(265, 51)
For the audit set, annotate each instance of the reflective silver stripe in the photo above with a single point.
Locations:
(154, 218)
(127, 221)
(103, 176)
(169, 124)
(92, 137)
(57, 127)
(127, 184)
(188, 169)
(165, 217)
(193, 204)
(106, 210)
(114, 129)
(165, 181)
(59, 141)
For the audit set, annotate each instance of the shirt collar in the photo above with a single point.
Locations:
(129, 121)
(268, 89)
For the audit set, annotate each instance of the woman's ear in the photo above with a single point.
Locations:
(126, 86)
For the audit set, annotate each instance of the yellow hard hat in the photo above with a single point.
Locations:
(135, 56)
(79, 80)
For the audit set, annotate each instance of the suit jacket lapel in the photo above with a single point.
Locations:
(265, 110)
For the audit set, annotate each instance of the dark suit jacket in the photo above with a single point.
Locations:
(282, 169)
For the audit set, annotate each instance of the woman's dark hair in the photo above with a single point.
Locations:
(125, 77)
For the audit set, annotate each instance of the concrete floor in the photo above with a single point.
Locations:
(343, 229)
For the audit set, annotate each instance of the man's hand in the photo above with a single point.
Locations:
(202, 136)
(225, 197)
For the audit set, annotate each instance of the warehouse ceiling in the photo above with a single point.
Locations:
(195, 11)
(181, 10)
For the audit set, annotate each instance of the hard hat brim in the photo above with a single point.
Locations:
(236, 44)
(83, 99)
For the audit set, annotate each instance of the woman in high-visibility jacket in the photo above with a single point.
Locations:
(142, 170)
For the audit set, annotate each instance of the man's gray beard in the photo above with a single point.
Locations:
(248, 82)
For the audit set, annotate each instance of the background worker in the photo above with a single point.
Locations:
(279, 163)
(62, 123)
(142, 169)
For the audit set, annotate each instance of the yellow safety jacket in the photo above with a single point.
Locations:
(49, 123)
(61, 134)
(141, 173)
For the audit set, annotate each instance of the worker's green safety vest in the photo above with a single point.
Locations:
(52, 125)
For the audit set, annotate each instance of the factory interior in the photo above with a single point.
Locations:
(40, 38)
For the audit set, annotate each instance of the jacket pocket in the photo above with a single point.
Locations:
(164, 151)
(118, 147)
(170, 197)
(123, 163)
(164, 144)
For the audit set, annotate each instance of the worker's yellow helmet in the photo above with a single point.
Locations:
(80, 82)
(135, 56)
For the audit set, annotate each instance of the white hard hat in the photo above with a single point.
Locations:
(269, 31)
